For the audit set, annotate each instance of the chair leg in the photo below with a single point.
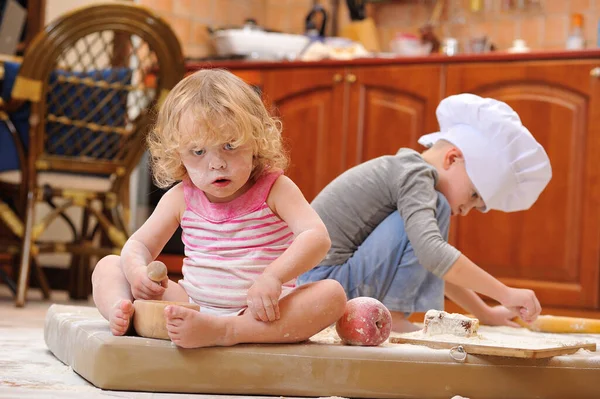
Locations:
(26, 251)
(80, 285)
(41, 279)
(11, 284)
(80, 274)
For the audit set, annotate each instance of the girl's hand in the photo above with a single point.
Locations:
(263, 297)
(524, 303)
(144, 288)
(499, 316)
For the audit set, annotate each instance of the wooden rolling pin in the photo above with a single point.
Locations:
(157, 271)
(562, 324)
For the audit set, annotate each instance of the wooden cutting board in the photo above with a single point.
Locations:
(497, 344)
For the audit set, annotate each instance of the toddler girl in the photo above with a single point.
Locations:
(248, 230)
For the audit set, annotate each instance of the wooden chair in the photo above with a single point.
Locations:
(89, 85)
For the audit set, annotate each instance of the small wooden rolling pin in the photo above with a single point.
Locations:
(562, 324)
(157, 271)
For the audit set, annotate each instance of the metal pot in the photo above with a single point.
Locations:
(254, 42)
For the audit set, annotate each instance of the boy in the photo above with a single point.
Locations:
(483, 158)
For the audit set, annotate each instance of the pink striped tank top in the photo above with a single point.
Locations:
(228, 245)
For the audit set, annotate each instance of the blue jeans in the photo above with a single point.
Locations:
(385, 267)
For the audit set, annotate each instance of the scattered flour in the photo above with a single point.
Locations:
(327, 336)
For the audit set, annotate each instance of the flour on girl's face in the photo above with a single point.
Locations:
(220, 170)
(217, 161)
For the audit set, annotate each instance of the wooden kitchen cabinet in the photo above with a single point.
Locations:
(553, 248)
(309, 103)
(390, 107)
(335, 118)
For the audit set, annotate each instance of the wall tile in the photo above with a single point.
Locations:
(297, 19)
(199, 50)
(555, 32)
(580, 6)
(182, 7)
(388, 15)
(199, 33)
(590, 27)
(277, 17)
(202, 9)
(159, 5)
(505, 33)
(240, 12)
(532, 31)
(420, 14)
(181, 27)
(556, 6)
(222, 11)
(480, 29)
(385, 35)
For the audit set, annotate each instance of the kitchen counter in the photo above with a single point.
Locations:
(498, 56)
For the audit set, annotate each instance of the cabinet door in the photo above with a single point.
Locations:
(389, 108)
(554, 247)
(310, 105)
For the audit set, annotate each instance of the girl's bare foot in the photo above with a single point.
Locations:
(120, 317)
(189, 328)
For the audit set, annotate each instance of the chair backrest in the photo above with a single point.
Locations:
(94, 78)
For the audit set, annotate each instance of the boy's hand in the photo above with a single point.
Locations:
(263, 297)
(524, 303)
(499, 316)
(144, 288)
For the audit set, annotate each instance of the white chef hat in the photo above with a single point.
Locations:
(508, 167)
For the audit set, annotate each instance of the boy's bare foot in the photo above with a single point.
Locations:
(120, 317)
(189, 328)
(401, 325)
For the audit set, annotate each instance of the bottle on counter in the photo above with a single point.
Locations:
(449, 46)
(575, 40)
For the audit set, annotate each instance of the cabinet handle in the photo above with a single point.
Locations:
(337, 78)
(595, 72)
(351, 78)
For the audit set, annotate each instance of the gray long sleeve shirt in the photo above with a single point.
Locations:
(358, 200)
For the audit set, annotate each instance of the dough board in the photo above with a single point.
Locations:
(497, 344)
(81, 338)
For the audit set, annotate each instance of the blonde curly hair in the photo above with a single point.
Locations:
(225, 109)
